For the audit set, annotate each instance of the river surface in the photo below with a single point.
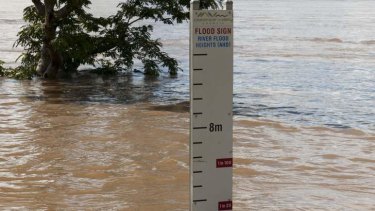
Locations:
(304, 136)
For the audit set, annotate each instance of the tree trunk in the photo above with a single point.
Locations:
(51, 61)
(43, 61)
(55, 64)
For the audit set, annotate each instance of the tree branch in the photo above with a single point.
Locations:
(68, 8)
(132, 22)
(63, 12)
(40, 7)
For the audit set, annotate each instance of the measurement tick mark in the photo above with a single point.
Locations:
(198, 113)
(200, 200)
(197, 142)
(199, 128)
(197, 186)
(198, 69)
(198, 157)
(198, 84)
(200, 54)
(197, 172)
(198, 98)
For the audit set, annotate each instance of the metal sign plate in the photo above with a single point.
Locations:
(211, 90)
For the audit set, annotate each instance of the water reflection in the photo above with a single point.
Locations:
(88, 88)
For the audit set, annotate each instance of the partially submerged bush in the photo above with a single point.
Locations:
(20, 72)
(2, 69)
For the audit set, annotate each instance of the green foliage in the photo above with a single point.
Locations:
(18, 73)
(21, 72)
(2, 69)
(30, 37)
(111, 44)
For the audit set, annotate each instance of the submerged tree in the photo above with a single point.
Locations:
(61, 35)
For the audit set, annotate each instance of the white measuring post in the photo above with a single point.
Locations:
(211, 116)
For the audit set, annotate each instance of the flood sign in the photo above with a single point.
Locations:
(211, 116)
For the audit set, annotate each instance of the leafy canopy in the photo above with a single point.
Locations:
(111, 43)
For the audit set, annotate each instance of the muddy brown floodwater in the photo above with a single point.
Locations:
(63, 147)
(304, 136)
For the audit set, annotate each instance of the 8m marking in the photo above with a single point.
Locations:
(215, 127)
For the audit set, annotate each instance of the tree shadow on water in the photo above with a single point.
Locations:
(97, 89)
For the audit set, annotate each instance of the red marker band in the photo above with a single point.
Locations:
(224, 163)
(225, 205)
